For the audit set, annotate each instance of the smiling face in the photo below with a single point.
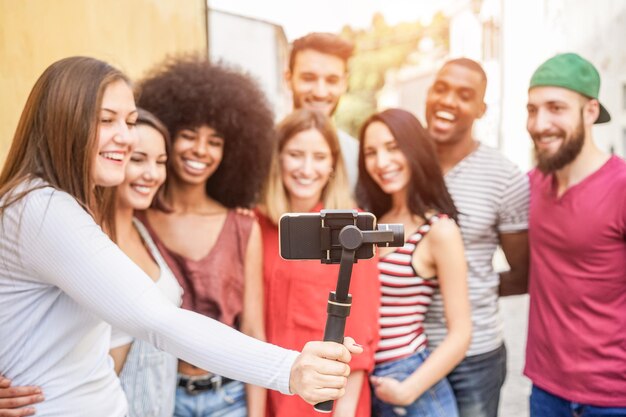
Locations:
(116, 134)
(196, 154)
(384, 161)
(145, 171)
(454, 102)
(317, 81)
(306, 164)
(556, 126)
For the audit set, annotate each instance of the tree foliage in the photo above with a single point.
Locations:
(380, 48)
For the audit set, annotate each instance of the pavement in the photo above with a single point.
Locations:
(516, 389)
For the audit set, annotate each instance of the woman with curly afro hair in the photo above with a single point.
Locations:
(222, 133)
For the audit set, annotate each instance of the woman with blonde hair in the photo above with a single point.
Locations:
(307, 175)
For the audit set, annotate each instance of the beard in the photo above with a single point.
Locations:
(569, 150)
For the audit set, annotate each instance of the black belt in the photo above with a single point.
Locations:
(197, 384)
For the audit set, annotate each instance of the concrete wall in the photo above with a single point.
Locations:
(257, 47)
(599, 40)
(535, 30)
(130, 34)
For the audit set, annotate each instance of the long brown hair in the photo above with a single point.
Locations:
(56, 135)
(336, 193)
(427, 188)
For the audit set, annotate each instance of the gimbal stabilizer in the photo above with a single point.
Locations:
(350, 239)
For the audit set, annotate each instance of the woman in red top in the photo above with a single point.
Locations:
(307, 175)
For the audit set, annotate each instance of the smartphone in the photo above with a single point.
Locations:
(316, 235)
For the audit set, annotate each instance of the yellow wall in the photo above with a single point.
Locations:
(132, 35)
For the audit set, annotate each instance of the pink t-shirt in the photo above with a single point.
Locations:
(577, 327)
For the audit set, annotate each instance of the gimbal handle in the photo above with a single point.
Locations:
(338, 309)
(339, 302)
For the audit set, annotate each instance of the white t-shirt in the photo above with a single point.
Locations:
(62, 279)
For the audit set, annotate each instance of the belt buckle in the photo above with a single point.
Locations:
(190, 386)
(215, 382)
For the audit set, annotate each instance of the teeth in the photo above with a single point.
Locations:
(317, 103)
(548, 139)
(445, 115)
(389, 175)
(304, 181)
(116, 156)
(142, 188)
(195, 164)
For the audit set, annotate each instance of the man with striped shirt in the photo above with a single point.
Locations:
(491, 194)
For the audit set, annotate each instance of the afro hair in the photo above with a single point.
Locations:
(186, 92)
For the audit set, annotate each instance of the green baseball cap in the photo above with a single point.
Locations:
(573, 72)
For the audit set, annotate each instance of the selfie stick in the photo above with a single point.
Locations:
(339, 301)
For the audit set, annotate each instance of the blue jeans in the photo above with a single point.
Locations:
(438, 401)
(476, 383)
(544, 404)
(227, 401)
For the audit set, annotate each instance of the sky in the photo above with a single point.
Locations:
(298, 17)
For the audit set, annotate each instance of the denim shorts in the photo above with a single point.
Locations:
(437, 401)
(227, 401)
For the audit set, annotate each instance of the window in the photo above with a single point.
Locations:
(491, 40)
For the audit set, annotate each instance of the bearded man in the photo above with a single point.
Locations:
(576, 351)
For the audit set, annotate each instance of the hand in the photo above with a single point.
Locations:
(13, 397)
(391, 391)
(321, 371)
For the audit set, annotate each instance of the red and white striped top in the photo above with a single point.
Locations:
(405, 300)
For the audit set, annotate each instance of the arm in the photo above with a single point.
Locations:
(513, 233)
(515, 248)
(446, 248)
(346, 406)
(252, 316)
(14, 400)
(62, 246)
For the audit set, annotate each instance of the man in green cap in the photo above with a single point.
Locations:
(576, 351)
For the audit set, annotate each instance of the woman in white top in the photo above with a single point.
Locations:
(148, 375)
(62, 279)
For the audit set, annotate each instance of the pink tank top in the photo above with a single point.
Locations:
(213, 285)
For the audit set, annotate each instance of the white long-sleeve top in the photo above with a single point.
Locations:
(62, 279)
